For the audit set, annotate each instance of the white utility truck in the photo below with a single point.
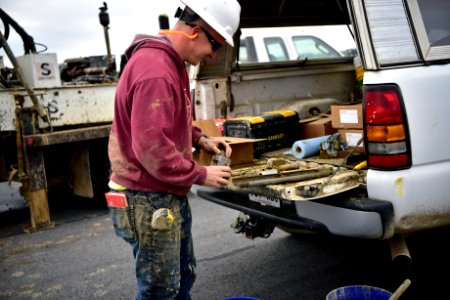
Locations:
(54, 121)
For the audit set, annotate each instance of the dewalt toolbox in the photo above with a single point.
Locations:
(280, 128)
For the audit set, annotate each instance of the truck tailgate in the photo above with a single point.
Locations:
(329, 199)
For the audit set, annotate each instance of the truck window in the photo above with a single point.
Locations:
(247, 50)
(310, 47)
(276, 49)
(422, 32)
(431, 19)
(435, 14)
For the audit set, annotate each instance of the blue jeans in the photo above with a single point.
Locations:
(164, 259)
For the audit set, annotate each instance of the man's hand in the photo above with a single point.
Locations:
(215, 144)
(217, 176)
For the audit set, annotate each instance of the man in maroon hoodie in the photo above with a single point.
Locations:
(151, 142)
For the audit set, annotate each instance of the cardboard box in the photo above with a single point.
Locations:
(351, 137)
(347, 116)
(242, 147)
(40, 70)
(316, 127)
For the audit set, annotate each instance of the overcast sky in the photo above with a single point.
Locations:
(71, 28)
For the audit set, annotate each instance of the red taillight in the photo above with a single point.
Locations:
(392, 161)
(382, 107)
(385, 128)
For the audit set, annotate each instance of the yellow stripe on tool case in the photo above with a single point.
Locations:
(284, 112)
(251, 119)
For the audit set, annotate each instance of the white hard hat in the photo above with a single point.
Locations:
(222, 15)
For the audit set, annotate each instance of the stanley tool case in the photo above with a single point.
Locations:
(280, 128)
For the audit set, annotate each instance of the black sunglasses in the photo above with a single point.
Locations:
(215, 45)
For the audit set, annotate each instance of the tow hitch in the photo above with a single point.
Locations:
(252, 226)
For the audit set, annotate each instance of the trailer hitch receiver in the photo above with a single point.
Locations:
(252, 226)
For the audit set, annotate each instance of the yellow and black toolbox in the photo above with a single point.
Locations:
(280, 128)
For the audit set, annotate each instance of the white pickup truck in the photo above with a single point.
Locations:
(404, 49)
(288, 43)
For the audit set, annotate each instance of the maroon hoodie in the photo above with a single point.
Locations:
(150, 145)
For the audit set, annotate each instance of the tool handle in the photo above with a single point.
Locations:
(399, 291)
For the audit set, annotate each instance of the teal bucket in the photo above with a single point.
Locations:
(359, 292)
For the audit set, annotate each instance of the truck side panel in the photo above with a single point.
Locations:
(420, 193)
(66, 106)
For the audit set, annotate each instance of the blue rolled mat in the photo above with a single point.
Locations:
(309, 147)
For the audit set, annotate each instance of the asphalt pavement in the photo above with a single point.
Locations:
(10, 198)
(81, 258)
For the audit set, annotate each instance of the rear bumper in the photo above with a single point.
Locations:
(350, 214)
